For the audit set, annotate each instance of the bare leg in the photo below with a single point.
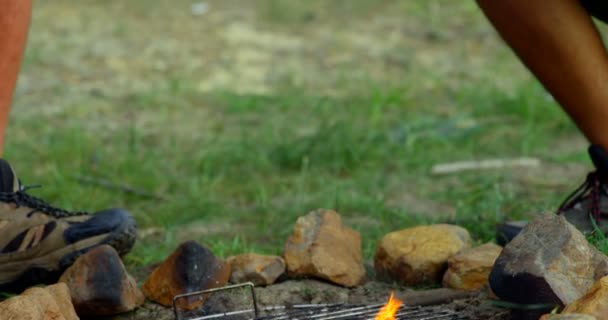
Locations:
(558, 42)
(14, 22)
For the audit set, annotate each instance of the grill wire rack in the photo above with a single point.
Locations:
(304, 311)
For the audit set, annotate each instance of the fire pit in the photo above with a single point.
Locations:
(309, 311)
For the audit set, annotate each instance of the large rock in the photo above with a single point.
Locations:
(256, 268)
(419, 255)
(49, 303)
(470, 269)
(191, 267)
(100, 285)
(550, 261)
(320, 246)
(594, 302)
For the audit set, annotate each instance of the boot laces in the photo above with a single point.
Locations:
(22, 198)
(592, 188)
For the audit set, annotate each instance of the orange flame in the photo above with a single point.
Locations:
(389, 310)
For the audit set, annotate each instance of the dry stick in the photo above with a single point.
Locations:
(434, 296)
(104, 183)
(453, 167)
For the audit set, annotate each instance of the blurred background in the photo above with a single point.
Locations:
(223, 121)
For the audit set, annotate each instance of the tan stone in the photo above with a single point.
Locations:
(45, 301)
(22, 308)
(100, 284)
(594, 302)
(320, 246)
(256, 268)
(419, 255)
(191, 267)
(469, 269)
(50, 303)
(61, 293)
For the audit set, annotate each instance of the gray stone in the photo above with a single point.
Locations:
(550, 261)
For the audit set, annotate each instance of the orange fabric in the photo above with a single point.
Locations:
(14, 22)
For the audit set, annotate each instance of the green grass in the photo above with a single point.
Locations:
(257, 173)
(235, 166)
(598, 238)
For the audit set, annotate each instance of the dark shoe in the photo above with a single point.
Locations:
(506, 231)
(38, 241)
(586, 208)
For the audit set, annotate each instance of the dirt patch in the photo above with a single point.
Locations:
(74, 54)
(308, 291)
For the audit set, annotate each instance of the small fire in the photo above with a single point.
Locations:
(389, 309)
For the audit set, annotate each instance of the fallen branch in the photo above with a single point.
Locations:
(454, 167)
(107, 184)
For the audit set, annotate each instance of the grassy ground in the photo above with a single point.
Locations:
(256, 112)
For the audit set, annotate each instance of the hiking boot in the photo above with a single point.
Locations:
(38, 241)
(586, 208)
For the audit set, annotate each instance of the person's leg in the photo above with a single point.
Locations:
(14, 22)
(562, 47)
(559, 43)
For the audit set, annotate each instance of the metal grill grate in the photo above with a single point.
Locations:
(337, 312)
(318, 311)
